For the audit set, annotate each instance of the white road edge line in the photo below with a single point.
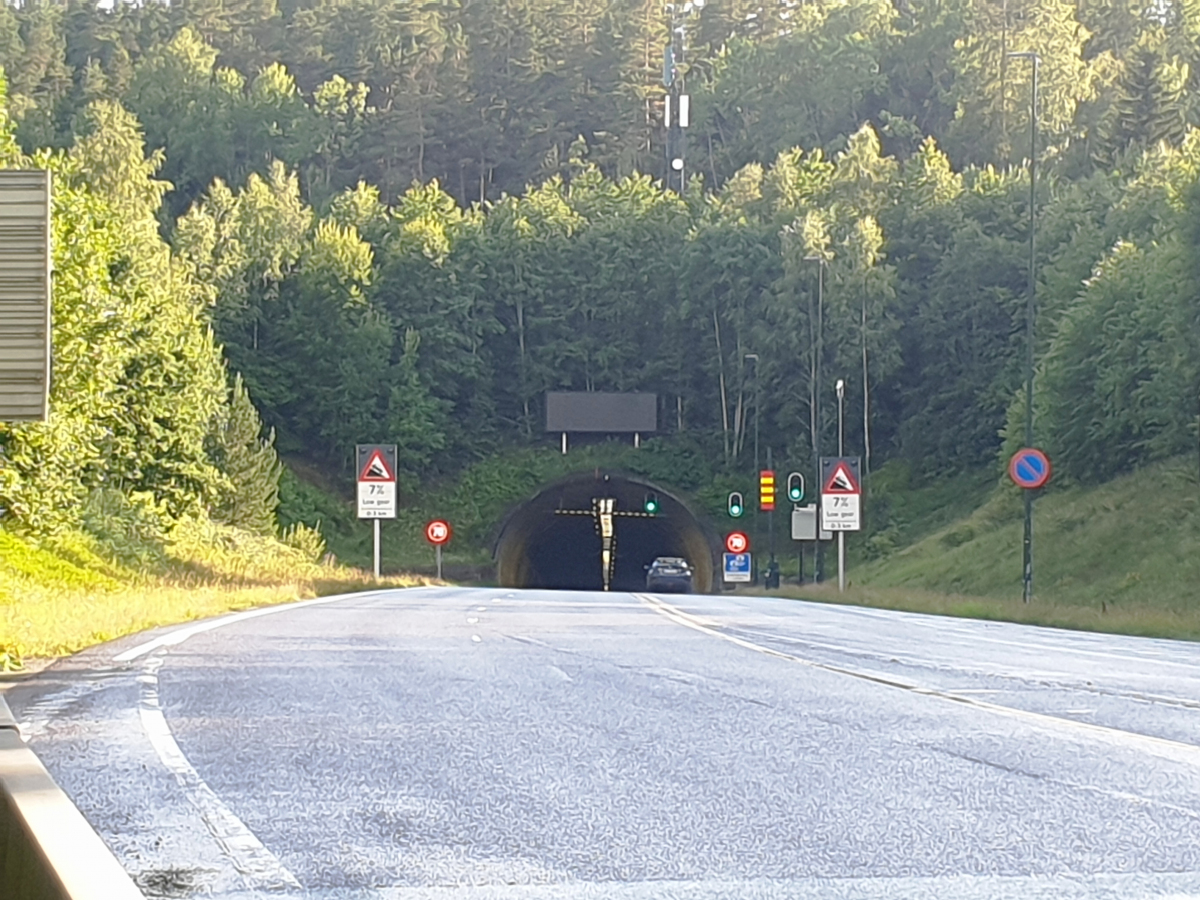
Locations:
(182, 634)
(258, 865)
(1177, 751)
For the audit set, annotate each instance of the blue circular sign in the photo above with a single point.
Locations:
(1029, 468)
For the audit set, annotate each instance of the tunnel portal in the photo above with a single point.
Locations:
(553, 539)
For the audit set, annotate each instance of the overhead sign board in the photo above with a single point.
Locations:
(737, 568)
(601, 412)
(841, 494)
(376, 466)
(25, 264)
(1029, 468)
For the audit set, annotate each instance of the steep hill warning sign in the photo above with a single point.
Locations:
(376, 481)
(841, 494)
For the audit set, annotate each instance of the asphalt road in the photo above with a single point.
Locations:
(451, 743)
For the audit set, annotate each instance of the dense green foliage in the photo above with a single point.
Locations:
(405, 221)
(140, 432)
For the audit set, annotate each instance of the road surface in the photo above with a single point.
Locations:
(488, 743)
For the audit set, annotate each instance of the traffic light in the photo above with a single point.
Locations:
(766, 490)
(736, 505)
(795, 487)
(650, 504)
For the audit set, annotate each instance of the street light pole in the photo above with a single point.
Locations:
(819, 351)
(1030, 309)
(757, 397)
(677, 103)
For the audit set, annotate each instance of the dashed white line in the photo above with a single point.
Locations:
(1176, 751)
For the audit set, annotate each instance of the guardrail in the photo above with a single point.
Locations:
(48, 851)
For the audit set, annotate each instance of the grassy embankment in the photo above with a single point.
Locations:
(60, 595)
(1121, 557)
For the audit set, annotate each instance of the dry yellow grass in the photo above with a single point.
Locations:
(60, 597)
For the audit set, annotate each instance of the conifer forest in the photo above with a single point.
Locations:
(290, 226)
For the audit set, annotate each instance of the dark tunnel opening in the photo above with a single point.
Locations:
(553, 540)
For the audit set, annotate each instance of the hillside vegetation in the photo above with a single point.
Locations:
(287, 228)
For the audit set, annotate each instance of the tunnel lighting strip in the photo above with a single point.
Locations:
(1176, 751)
(592, 513)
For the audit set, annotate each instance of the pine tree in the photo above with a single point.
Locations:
(250, 464)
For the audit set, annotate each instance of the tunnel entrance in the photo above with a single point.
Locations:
(553, 540)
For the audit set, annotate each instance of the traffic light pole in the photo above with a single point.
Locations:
(771, 512)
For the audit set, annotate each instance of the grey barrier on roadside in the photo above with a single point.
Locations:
(48, 851)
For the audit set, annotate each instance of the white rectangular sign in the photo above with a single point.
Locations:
(841, 512)
(804, 524)
(377, 499)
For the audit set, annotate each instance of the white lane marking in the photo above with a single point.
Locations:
(258, 865)
(472, 620)
(965, 668)
(477, 639)
(951, 628)
(1176, 751)
(179, 635)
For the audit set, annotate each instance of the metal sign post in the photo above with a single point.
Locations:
(438, 532)
(841, 503)
(1029, 469)
(376, 467)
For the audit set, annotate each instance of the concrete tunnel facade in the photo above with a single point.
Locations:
(540, 545)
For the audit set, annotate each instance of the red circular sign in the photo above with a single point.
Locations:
(737, 542)
(1029, 468)
(438, 532)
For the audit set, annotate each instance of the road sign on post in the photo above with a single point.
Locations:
(737, 542)
(841, 494)
(1029, 468)
(737, 567)
(438, 532)
(376, 467)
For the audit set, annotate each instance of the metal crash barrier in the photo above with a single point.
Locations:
(48, 851)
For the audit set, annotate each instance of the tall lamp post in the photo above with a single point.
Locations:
(677, 109)
(753, 357)
(818, 341)
(1035, 60)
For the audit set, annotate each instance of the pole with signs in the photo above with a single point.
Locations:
(841, 499)
(438, 532)
(376, 467)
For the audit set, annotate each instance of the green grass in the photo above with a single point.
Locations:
(1133, 541)
(60, 595)
(1122, 557)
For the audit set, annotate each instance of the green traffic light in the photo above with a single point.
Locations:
(736, 506)
(651, 504)
(795, 487)
(735, 511)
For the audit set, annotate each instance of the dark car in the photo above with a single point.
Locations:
(669, 573)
